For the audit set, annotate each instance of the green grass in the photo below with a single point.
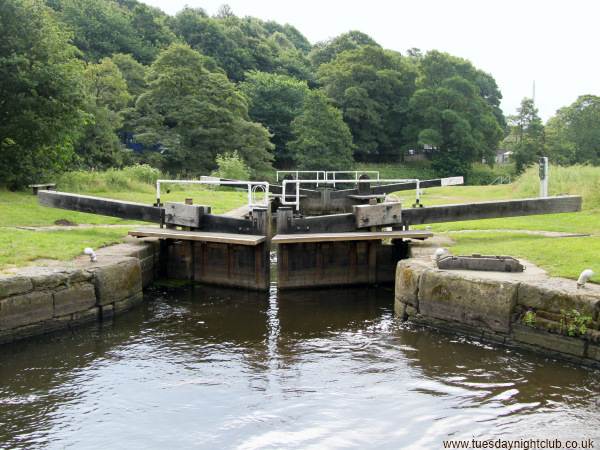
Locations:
(20, 247)
(565, 257)
(560, 256)
(21, 209)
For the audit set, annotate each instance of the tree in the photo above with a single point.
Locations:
(456, 122)
(275, 101)
(372, 87)
(327, 51)
(240, 45)
(322, 141)
(102, 28)
(194, 113)
(133, 72)
(99, 146)
(528, 131)
(42, 93)
(435, 67)
(573, 134)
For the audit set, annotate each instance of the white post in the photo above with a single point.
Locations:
(297, 195)
(544, 175)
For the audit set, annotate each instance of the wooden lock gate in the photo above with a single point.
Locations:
(349, 248)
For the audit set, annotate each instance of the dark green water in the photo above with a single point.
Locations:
(209, 368)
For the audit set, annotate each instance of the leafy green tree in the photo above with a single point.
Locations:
(326, 51)
(435, 67)
(528, 131)
(372, 87)
(99, 146)
(133, 72)
(295, 37)
(456, 122)
(102, 28)
(244, 44)
(194, 113)
(559, 146)
(322, 141)
(573, 134)
(275, 101)
(42, 93)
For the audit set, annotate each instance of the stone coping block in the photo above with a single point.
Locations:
(408, 273)
(555, 295)
(25, 309)
(117, 279)
(554, 342)
(75, 298)
(476, 302)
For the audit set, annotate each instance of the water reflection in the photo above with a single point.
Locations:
(221, 368)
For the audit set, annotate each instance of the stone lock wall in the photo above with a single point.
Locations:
(38, 300)
(529, 310)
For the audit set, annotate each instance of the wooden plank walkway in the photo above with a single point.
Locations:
(204, 236)
(354, 236)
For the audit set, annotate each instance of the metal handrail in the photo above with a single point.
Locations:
(355, 172)
(296, 202)
(252, 186)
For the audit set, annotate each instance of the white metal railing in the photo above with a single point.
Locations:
(297, 173)
(296, 202)
(254, 188)
(331, 174)
(324, 175)
(451, 181)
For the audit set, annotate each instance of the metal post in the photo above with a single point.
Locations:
(544, 175)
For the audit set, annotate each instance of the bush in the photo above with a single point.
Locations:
(138, 177)
(414, 169)
(482, 174)
(232, 166)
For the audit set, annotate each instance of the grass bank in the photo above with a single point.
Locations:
(560, 256)
(20, 246)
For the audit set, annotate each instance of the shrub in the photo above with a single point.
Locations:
(232, 166)
(138, 177)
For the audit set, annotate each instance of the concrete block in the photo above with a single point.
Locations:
(25, 309)
(117, 280)
(128, 303)
(14, 285)
(555, 342)
(75, 298)
(466, 299)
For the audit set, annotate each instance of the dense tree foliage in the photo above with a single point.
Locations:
(194, 112)
(327, 51)
(102, 28)
(526, 138)
(99, 147)
(322, 141)
(275, 101)
(457, 122)
(42, 93)
(372, 87)
(90, 77)
(573, 134)
(242, 44)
